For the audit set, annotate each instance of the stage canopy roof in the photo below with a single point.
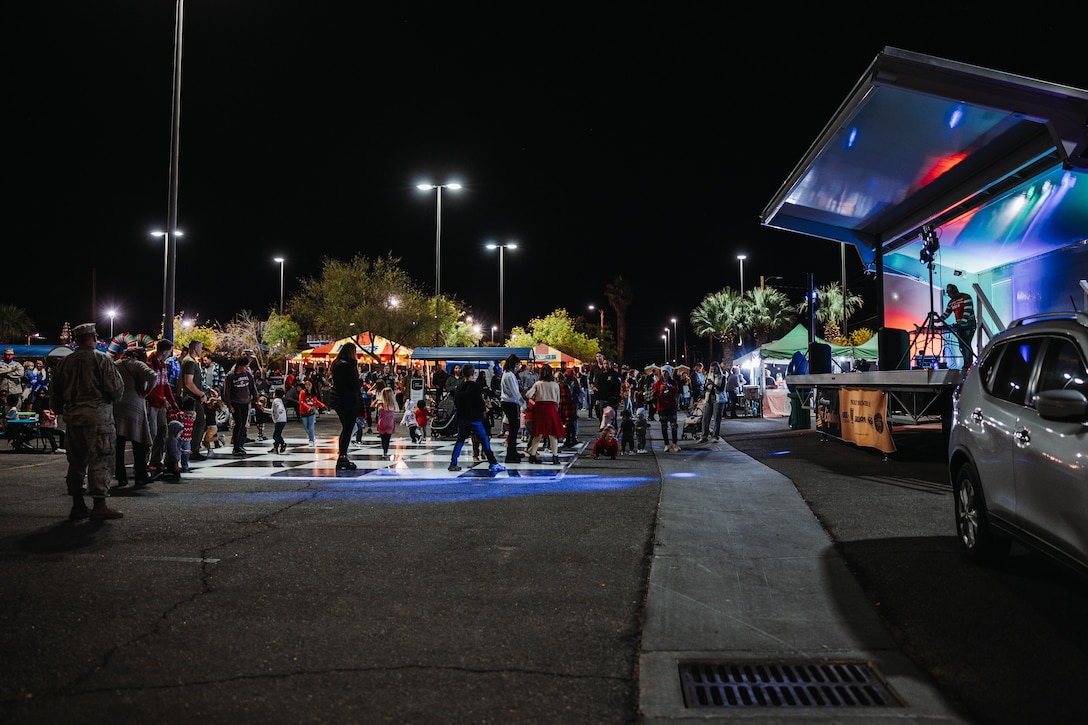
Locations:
(997, 162)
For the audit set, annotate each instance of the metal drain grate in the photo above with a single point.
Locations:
(783, 684)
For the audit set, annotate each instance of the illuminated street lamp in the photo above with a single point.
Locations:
(112, 314)
(168, 282)
(502, 252)
(600, 330)
(453, 186)
(493, 334)
(281, 260)
(666, 339)
(741, 258)
(675, 341)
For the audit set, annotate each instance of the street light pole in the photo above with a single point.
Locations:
(600, 330)
(167, 332)
(453, 186)
(502, 253)
(281, 260)
(675, 341)
(112, 314)
(666, 345)
(493, 334)
(741, 258)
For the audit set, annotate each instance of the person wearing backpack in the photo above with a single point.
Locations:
(666, 393)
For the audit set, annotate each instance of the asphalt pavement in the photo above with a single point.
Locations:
(617, 592)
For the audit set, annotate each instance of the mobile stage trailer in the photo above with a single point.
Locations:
(940, 172)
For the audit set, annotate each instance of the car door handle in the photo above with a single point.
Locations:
(976, 415)
(1022, 436)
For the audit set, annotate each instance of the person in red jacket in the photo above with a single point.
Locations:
(606, 445)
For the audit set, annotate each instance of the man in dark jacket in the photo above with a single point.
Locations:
(239, 392)
(468, 399)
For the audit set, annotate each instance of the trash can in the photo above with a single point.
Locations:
(799, 415)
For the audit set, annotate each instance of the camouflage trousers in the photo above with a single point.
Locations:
(91, 454)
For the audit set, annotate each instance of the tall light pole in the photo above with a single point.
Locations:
(675, 341)
(452, 186)
(172, 192)
(112, 314)
(502, 253)
(600, 330)
(170, 250)
(666, 339)
(281, 260)
(493, 334)
(741, 258)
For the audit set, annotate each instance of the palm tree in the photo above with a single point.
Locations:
(834, 309)
(619, 294)
(720, 316)
(15, 324)
(767, 312)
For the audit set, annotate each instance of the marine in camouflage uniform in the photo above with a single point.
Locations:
(86, 384)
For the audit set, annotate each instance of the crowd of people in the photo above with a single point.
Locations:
(174, 409)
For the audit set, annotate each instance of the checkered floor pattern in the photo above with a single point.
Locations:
(426, 460)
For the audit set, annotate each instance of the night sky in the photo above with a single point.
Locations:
(637, 141)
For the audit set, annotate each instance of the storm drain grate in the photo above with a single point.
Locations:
(778, 684)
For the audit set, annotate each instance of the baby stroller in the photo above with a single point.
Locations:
(444, 424)
(693, 424)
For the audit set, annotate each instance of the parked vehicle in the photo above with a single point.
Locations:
(1018, 449)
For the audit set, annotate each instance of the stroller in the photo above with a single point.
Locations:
(693, 424)
(444, 424)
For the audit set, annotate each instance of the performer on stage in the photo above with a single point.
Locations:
(962, 306)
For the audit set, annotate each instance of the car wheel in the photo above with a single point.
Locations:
(977, 539)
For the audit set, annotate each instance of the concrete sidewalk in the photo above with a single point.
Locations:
(742, 572)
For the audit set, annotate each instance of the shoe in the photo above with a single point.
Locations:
(513, 459)
(238, 452)
(497, 468)
(534, 460)
(555, 460)
(209, 454)
(197, 457)
(250, 440)
(260, 438)
(79, 511)
(475, 460)
(596, 458)
(101, 513)
(121, 483)
(343, 464)
(454, 467)
(641, 450)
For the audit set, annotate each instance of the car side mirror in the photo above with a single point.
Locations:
(1062, 405)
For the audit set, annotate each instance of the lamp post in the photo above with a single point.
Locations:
(281, 260)
(452, 186)
(741, 258)
(600, 330)
(493, 334)
(666, 339)
(675, 341)
(168, 282)
(502, 252)
(112, 314)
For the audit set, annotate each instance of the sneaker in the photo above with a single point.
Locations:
(197, 457)
(497, 468)
(79, 512)
(454, 467)
(239, 452)
(260, 438)
(641, 450)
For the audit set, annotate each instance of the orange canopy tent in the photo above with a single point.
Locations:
(371, 348)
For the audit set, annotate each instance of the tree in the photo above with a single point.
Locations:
(372, 295)
(834, 309)
(558, 331)
(767, 312)
(720, 316)
(186, 330)
(280, 335)
(15, 324)
(619, 294)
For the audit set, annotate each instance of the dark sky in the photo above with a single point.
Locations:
(635, 141)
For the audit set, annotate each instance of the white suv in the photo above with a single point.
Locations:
(1018, 450)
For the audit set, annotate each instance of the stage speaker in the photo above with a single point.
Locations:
(819, 358)
(894, 349)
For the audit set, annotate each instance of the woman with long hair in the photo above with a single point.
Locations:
(345, 383)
